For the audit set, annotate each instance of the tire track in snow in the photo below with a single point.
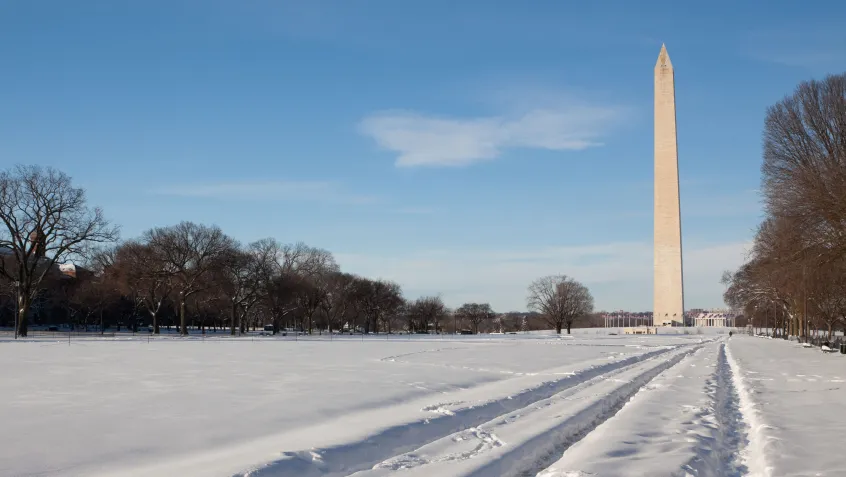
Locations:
(486, 441)
(394, 441)
(485, 434)
(393, 358)
(542, 450)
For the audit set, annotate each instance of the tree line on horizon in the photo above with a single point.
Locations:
(794, 280)
(196, 277)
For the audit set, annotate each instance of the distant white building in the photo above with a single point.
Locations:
(715, 319)
(68, 269)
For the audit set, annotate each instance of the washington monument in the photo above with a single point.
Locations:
(668, 299)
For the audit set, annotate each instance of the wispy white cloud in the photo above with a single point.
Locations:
(618, 274)
(266, 190)
(429, 140)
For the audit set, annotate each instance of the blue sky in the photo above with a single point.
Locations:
(464, 148)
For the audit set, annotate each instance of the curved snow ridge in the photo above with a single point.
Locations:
(755, 455)
(393, 358)
(485, 442)
(443, 408)
(386, 443)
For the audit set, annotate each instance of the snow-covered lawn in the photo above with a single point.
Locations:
(798, 403)
(419, 406)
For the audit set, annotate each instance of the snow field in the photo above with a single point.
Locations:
(534, 405)
(454, 413)
(793, 399)
(521, 440)
(175, 407)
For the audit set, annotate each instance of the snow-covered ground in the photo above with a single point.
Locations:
(592, 404)
(797, 402)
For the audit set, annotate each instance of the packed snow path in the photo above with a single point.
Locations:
(686, 421)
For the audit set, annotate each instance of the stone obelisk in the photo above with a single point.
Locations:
(668, 301)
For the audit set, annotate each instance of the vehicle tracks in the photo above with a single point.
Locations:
(529, 439)
(396, 443)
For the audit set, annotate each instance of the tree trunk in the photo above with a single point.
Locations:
(568, 327)
(233, 318)
(785, 333)
(155, 323)
(558, 328)
(183, 328)
(102, 328)
(23, 306)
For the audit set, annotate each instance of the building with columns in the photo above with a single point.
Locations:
(714, 319)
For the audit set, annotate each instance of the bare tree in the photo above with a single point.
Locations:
(305, 261)
(475, 314)
(796, 262)
(190, 251)
(804, 168)
(378, 301)
(390, 302)
(778, 276)
(144, 275)
(93, 287)
(298, 279)
(338, 300)
(560, 300)
(427, 312)
(207, 305)
(280, 298)
(827, 296)
(310, 297)
(279, 282)
(241, 275)
(46, 221)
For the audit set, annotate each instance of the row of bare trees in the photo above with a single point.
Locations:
(794, 281)
(195, 276)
